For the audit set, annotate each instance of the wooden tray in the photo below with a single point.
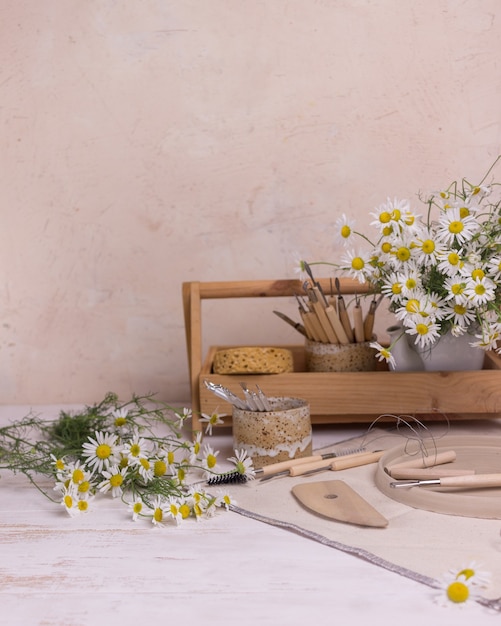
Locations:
(481, 453)
(344, 397)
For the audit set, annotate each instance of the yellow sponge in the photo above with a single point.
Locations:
(253, 360)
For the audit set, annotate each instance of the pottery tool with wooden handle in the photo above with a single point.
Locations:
(309, 320)
(336, 500)
(472, 481)
(370, 318)
(358, 320)
(343, 314)
(319, 310)
(421, 462)
(409, 473)
(284, 468)
(342, 463)
(296, 325)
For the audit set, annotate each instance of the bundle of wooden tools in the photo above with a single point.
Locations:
(326, 318)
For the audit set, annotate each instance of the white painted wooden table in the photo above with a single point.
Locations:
(102, 568)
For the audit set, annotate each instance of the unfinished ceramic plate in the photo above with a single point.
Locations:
(480, 453)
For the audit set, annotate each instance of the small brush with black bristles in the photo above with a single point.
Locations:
(275, 469)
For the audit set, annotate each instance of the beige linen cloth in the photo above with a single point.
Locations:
(418, 544)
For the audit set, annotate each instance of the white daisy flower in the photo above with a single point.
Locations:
(455, 591)
(146, 469)
(158, 512)
(225, 500)
(113, 480)
(426, 331)
(480, 291)
(357, 264)
(102, 451)
(455, 288)
(428, 248)
(173, 508)
(494, 268)
(459, 313)
(392, 286)
(344, 230)
(243, 463)
(383, 354)
(212, 420)
(136, 507)
(136, 448)
(454, 228)
(209, 459)
(120, 417)
(450, 262)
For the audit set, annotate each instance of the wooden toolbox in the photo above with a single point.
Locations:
(344, 397)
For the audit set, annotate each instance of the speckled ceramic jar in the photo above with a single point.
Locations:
(331, 357)
(274, 436)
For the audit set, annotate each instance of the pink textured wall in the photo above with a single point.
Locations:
(150, 142)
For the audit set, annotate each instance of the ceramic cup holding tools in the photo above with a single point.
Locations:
(280, 434)
(336, 357)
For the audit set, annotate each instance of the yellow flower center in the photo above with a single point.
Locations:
(477, 274)
(77, 476)
(396, 215)
(410, 283)
(412, 305)
(457, 289)
(135, 449)
(384, 217)
(116, 480)
(458, 592)
(345, 231)
(403, 254)
(82, 505)
(120, 421)
(386, 247)
(174, 509)
(211, 461)
(145, 463)
(460, 309)
(455, 227)
(453, 258)
(409, 219)
(357, 263)
(170, 457)
(184, 509)
(428, 246)
(59, 464)
(422, 329)
(160, 468)
(387, 230)
(137, 507)
(197, 509)
(103, 451)
(396, 288)
(467, 573)
(158, 515)
(480, 289)
(68, 501)
(84, 486)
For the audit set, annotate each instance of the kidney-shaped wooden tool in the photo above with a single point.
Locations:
(337, 500)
